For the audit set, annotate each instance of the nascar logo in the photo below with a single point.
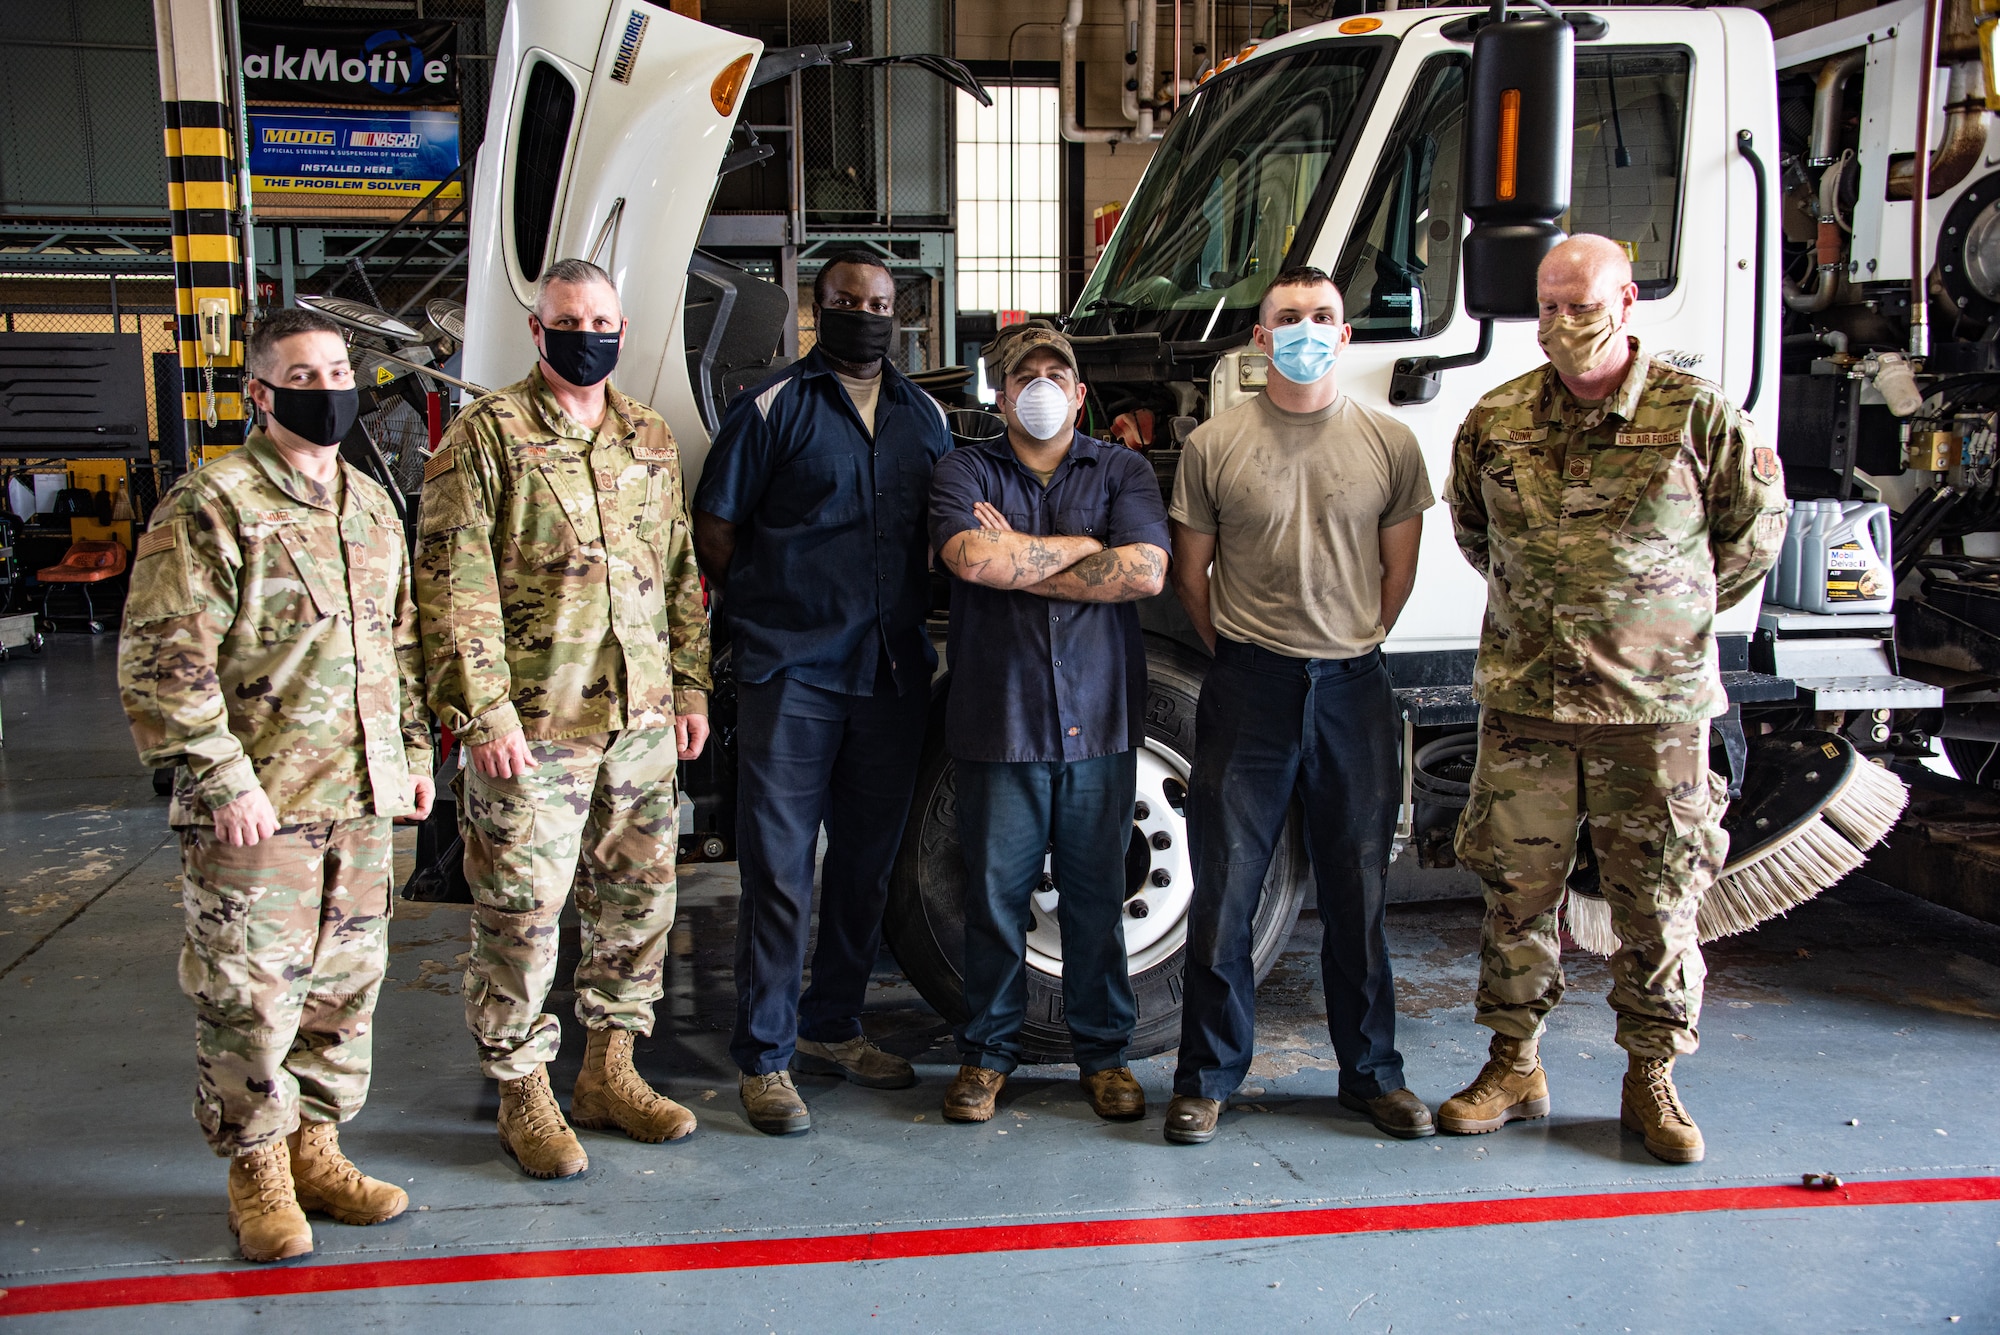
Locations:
(628, 46)
(383, 139)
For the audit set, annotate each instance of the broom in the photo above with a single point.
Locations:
(1811, 807)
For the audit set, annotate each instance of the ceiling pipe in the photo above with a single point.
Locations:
(1129, 90)
(1073, 131)
(1149, 67)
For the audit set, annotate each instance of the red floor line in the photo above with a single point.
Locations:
(222, 1285)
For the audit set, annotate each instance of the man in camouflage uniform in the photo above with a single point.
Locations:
(1615, 504)
(567, 648)
(270, 654)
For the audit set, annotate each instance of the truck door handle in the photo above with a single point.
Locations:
(1746, 145)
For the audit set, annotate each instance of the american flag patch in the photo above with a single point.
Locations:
(157, 540)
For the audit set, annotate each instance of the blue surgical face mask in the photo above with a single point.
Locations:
(1305, 352)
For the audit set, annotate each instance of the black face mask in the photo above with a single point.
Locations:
(856, 336)
(580, 356)
(321, 416)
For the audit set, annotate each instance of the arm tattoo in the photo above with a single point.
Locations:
(1036, 561)
(1114, 575)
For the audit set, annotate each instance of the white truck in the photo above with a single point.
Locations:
(1754, 184)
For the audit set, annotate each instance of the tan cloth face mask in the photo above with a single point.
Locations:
(1578, 344)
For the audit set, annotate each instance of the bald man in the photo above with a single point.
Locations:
(1615, 504)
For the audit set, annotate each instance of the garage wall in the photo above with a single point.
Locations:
(1030, 31)
(80, 114)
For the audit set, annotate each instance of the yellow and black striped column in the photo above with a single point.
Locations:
(201, 195)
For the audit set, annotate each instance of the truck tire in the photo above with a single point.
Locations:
(924, 923)
(1975, 762)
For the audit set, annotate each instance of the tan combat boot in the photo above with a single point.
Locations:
(610, 1094)
(533, 1131)
(1652, 1107)
(324, 1180)
(1510, 1087)
(263, 1213)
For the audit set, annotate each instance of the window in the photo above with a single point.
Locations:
(547, 109)
(1238, 179)
(1399, 272)
(1625, 179)
(1009, 241)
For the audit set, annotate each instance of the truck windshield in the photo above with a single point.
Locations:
(1228, 191)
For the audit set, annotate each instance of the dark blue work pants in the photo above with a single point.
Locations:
(1268, 727)
(807, 755)
(1079, 814)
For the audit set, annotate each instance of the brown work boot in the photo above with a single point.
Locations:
(772, 1103)
(1191, 1119)
(1398, 1113)
(1652, 1106)
(972, 1093)
(533, 1131)
(264, 1213)
(325, 1180)
(1511, 1087)
(1114, 1095)
(609, 1094)
(857, 1059)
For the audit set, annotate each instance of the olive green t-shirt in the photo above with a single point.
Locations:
(1297, 502)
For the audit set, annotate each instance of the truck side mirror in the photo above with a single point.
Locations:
(1519, 125)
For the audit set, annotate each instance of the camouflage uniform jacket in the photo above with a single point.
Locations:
(270, 640)
(555, 572)
(1610, 537)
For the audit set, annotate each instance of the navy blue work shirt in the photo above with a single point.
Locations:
(1033, 678)
(830, 568)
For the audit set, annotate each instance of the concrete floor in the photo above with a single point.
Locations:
(1861, 1037)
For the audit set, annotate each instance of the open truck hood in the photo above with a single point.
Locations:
(606, 124)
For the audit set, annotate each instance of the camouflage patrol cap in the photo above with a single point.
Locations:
(1016, 341)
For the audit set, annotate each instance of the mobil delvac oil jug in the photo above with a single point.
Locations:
(1847, 565)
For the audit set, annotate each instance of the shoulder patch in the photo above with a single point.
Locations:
(1764, 463)
(440, 463)
(162, 539)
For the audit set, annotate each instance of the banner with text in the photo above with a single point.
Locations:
(412, 64)
(385, 153)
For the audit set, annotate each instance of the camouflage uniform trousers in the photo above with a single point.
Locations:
(1654, 813)
(599, 810)
(287, 942)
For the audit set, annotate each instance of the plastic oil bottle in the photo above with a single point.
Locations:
(1849, 566)
(1774, 582)
(1792, 561)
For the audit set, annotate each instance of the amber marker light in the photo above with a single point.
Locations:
(729, 83)
(1355, 27)
(1510, 144)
